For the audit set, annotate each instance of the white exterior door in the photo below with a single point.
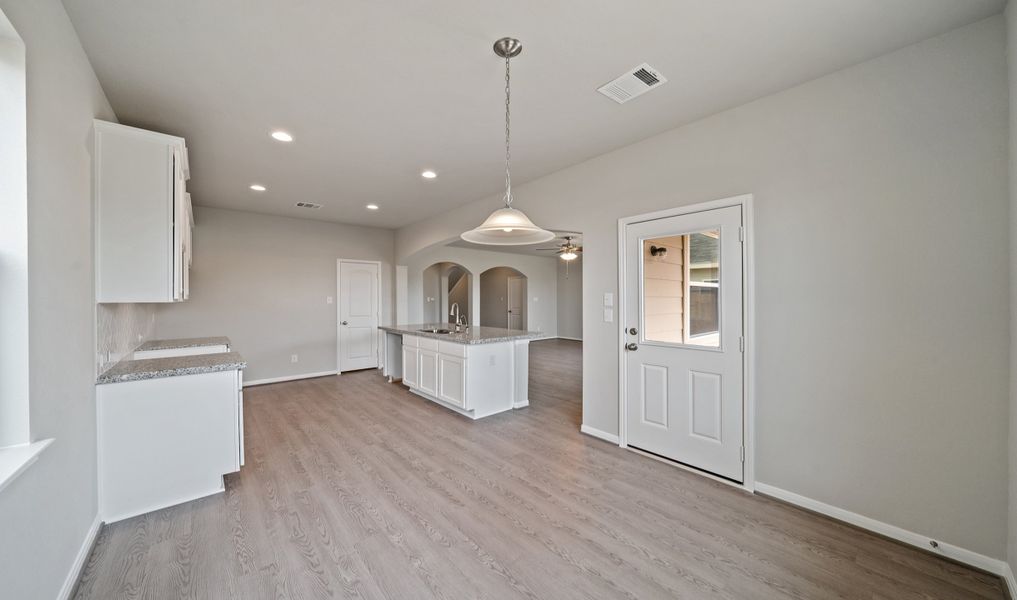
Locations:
(358, 315)
(683, 339)
(516, 301)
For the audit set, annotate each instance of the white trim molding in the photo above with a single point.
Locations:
(79, 561)
(602, 435)
(268, 380)
(14, 460)
(1009, 581)
(924, 542)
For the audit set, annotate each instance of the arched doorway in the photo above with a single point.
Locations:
(503, 298)
(448, 289)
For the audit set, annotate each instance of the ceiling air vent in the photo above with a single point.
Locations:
(308, 205)
(636, 82)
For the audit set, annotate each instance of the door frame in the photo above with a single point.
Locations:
(338, 303)
(745, 202)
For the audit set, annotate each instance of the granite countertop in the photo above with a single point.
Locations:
(475, 335)
(184, 343)
(171, 366)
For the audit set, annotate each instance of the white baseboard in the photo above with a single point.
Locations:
(79, 561)
(288, 378)
(522, 404)
(1008, 579)
(962, 555)
(603, 435)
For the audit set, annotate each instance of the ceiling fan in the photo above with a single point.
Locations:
(568, 250)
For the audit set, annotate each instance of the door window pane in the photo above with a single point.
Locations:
(681, 289)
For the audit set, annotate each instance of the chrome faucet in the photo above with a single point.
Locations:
(460, 318)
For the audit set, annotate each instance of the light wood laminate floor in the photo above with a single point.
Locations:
(356, 488)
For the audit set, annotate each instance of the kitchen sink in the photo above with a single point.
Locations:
(441, 331)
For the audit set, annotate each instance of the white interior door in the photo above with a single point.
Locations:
(358, 315)
(684, 334)
(516, 302)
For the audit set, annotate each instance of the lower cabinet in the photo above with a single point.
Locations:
(428, 377)
(452, 380)
(436, 369)
(168, 440)
(476, 380)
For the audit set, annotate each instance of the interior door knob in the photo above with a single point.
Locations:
(345, 323)
(631, 346)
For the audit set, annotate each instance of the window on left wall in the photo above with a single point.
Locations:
(17, 450)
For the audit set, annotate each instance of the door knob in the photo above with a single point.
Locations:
(631, 346)
(345, 323)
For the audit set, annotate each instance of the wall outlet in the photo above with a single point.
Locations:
(294, 358)
(608, 315)
(328, 299)
(491, 359)
(608, 299)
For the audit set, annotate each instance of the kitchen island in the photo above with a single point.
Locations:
(478, 372)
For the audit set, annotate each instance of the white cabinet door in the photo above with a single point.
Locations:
(452, 380)
(410, 366)
(139, 212)
(428, 376)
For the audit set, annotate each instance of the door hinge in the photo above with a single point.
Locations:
(741, 452)
(741, 344)
(741, 234)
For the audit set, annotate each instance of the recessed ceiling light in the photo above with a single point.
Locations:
(258, 187)
(371, 207)
(428, 174)
(282, 136)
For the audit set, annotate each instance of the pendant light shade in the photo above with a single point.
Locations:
(507, 226)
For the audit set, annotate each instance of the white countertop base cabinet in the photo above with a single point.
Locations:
(168, 440)
(475, 380)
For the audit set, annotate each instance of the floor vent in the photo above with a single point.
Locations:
(635, 83)
(307, 205)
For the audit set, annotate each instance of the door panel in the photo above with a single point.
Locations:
(427, 377)
(452, 379)
(358, 315)
(516, 302)
(684, 377)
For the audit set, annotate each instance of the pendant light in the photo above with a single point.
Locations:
(507, 226)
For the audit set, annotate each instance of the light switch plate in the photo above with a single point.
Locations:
(608, 315)
(608, 299)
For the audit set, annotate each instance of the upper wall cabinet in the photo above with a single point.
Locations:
(142, 214)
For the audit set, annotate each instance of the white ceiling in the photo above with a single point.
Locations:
(376, 91)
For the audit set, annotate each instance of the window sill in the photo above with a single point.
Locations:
(15, 460)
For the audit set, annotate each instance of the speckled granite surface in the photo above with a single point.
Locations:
(476, 334)
(184, 343)
(173, 366)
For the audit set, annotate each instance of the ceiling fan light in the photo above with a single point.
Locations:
(507, 227)
(570, 255)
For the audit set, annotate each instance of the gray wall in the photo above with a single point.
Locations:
(46, 512)
(1011, 54)
(570, 299)
(263, 281)
(871, 394)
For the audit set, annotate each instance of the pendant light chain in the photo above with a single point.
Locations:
(508, 154)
